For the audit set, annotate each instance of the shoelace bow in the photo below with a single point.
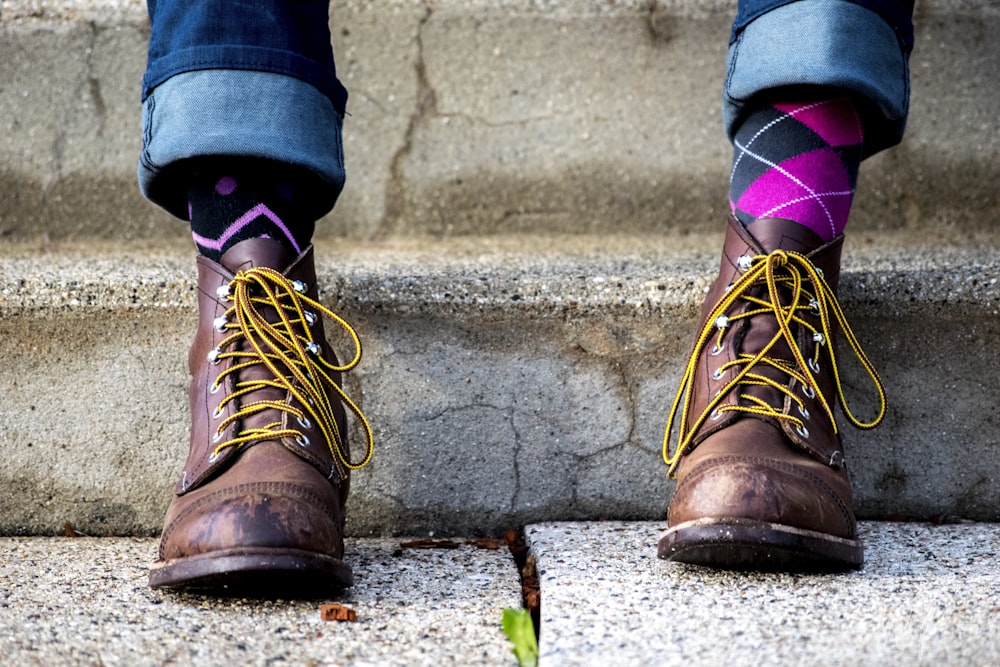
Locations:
(287, 348)
(793, 271)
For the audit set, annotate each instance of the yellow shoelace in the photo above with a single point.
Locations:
(794, 271)
(292, 356)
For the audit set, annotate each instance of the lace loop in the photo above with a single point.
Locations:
(291, 355)
(793, 273)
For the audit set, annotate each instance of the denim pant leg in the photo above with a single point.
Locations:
(246, 78)
(859, 46)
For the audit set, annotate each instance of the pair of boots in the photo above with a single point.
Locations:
(761, 475)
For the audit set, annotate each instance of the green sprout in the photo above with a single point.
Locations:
(520, 631)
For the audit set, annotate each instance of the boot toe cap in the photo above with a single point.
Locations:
(763, 490)
(255, 515)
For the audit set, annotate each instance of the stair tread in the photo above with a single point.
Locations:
(495, 271)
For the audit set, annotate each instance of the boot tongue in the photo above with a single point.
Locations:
(246, 255)
(777, 233)
(257, 252)
(773, 234)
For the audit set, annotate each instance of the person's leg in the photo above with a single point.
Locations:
(241, 137)
(813, 87)
(246, 89)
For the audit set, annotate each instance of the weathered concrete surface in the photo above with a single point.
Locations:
(927, 595)
(74, 602)
(471, 117)
(508, 380)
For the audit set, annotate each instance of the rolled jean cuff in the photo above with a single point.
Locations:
(238, 113)
(829, 43)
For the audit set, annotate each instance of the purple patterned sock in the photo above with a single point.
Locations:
(798, 161)
(231, 201)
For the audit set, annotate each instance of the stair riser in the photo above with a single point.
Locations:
(485, 418)
(479, 119)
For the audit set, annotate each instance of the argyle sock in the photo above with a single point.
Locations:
(798, 161)
(231, 200)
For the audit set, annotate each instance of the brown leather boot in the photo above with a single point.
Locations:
(259, 508)
(761, 477)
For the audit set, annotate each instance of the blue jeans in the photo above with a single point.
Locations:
(859, 46)
(256, 78)
(249, 78)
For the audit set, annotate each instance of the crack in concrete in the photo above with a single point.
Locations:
(598, 452)
(94, 86)
(515, 497)
(658, 27)
(574, 480)
(509, 215)
(521, 122)
(510, 412)
(463, 408)
(426, 106)
(371, 99)
(631, 389)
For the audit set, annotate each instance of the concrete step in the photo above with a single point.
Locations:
(509, 380)
(470, 116)
(927, 595)
(73, 602)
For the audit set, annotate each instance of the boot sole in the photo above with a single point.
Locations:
(744, 544)
(254, 572)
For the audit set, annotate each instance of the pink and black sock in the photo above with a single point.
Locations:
(231, 200)
(798, 160)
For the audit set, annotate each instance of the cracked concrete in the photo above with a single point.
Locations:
(517, 368)
(425, 106)
(470, 117)
(505, 386)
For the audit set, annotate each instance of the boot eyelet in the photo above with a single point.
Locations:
(217, 437)
(302, 441)
(744, 262)
(802, 430)
(803, 412)
(304, 422)
(813, 365)
(718, 374)
(814, 307)
(310, 318)
(213, 457)
(313, 348)
(217, 412)
(819, 339)
(214, 389)
(729, 287)
(213, 356)
(222, 291)
(715, 414)
(808, 391)
(716, 350)
(299, 286)
(721, 322)
(220, 323)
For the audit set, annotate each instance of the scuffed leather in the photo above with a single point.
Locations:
(750, 466)
(273, 493)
